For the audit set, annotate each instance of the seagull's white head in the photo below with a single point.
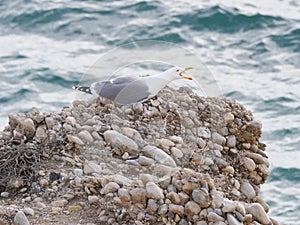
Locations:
(179, 72)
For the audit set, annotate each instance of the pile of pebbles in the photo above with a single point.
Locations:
(176, 159)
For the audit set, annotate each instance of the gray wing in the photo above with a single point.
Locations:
(123, 90)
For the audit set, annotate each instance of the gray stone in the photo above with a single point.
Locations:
(59, 203)
(153, 191)
(231, 141)
(247, 189)
(258, 213)
(119, 179)
(110, 188)
(228, 118)
(78, 172)
(124, 195)
(152, 206)
(204, 132)
(75, 140)
(120, 141)
(138, 195)
(21, 219)
(191, 208)
(28, 211)
(28, 128)
(159, 155)
(217, 138)
(176, 152)
(201, 196)
(93, 199)
(214, 217)
(249, 164)
(5, 194)
(187, 122)
(232, 220)
(177, 209)
(145, 161)
(71, 121)
(86, 136)
(163, 209)
(91, 167)
(174, 197)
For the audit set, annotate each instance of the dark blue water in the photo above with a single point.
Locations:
(252, 49)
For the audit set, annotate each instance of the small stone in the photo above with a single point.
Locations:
(111, 187)
(218, 139)
(165, 143)
(174, 197)
(124, 195)
(176, 152)
(204, 132)
(201, 196)
(191, 208)
(137, 107)
(231, 141)
(153, 191)
(246, 145)
(75, 140)
(228, 118)
(5, 194)
(249, 164)
(28, 211)
(145, 161)
(119, 179)
(152, 206)
(213, 217)
(21, 219)
(91, 167)
(176, 139)
(71, 121)
(73, 208)
(78, 172)
(120, 141)
(201, 143)
(229, 206)
(159, 155)
(258, 213)
(44, 182)
(50, 122)
(86, 136)
(41, 133)
(93, 199)
(183, 197)
(232, 220)
(59, 203)
(29, 128)
(138, 195)
(163, 209)
(248, 190)
(217, 198)
(178, 209)
(15, 182)
(228, 169)
(188, 122)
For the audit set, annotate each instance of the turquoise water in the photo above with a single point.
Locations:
(253, 50)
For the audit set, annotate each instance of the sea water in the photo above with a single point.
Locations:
(252, 48)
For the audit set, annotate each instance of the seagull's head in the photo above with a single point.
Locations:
(180, 73)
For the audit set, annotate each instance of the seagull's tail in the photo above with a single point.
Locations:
(83, 89)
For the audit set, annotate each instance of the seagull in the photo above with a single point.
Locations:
(126, 90)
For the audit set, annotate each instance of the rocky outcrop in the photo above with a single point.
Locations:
(175, 159)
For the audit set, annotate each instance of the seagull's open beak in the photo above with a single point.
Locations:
(184, 75)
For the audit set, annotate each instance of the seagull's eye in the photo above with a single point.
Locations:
(177, 70)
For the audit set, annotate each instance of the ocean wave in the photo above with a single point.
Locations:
(226, 20)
